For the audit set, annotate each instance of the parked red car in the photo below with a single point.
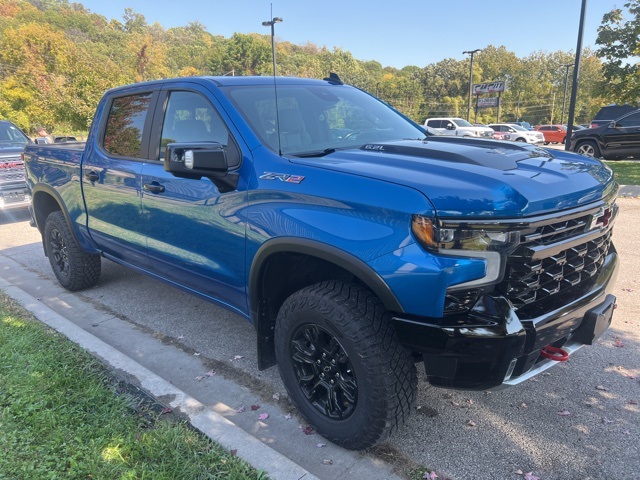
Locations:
(553, 133)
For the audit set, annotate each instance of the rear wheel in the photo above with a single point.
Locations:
(74, 268)
(342, 365)
(588, 148)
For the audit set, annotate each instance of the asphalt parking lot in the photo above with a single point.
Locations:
(581, 420)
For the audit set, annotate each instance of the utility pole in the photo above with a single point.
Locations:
(564, 99)
(471, 53)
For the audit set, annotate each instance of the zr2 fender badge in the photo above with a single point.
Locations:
(283, 177)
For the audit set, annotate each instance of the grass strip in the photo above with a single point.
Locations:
(62, 415)
(626, 172)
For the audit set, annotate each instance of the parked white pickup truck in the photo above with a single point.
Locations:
(458, 127)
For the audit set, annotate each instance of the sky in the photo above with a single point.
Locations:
(395, 33)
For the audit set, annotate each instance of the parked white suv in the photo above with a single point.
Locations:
(458, 127)
(517, 133)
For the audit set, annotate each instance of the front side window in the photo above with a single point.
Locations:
(125, 125)
(190, 118)
(629, 121)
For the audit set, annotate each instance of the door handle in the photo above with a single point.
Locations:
(154, 187)
(92, 176)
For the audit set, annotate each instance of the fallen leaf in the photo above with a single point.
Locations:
(618, 343)
(633, 402)
(471, 423)
(327, 461)
(321, 445)
(237, 357)
(455, 404)
(627, 289)
(240, 409)
(200, 378)
(626, 432)
(288, 416)
(255, 407)
(519, 472)
(530, 476)
(306, 430)
(263, 416)
(430, 475)
(180, 337)
(523, 405)
(564, 413)
(469, 401)
(210, 373)
(276, 396)
(233, 452)
(602, 388)
(165, 411)
(606, 420)
(196, 354)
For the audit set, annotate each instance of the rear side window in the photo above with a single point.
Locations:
(125, 125)
(434, 123)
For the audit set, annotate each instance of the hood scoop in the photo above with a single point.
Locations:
(499, 156)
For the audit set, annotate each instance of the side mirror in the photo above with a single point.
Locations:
(202, 159)
(196, 160)
(450, 126)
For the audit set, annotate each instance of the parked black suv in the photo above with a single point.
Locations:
(609, 113)
(614, 140)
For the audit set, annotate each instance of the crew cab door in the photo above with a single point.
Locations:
(111, 170)
(193, 234)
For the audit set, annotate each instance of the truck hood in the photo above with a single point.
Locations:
(479, 178)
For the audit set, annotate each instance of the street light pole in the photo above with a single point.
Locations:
(271, 23)
(564, 100)
(471, 53)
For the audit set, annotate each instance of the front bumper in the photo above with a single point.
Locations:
(497, 350)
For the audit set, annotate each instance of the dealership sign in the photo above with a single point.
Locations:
(488, 102)
(492, 87)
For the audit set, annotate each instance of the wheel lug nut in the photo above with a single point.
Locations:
(322, 375)
(332, 382)
(318, 362)
(324, 355)
(333, 362)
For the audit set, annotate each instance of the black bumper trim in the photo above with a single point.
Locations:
(480, 352)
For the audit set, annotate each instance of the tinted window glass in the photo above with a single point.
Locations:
(190, 118)
(630, 121)
(123, 135)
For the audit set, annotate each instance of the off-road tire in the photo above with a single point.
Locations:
(74, 268)
(375, 377)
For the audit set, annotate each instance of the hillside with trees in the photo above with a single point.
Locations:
(57, 58)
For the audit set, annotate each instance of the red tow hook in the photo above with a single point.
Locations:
(554, 353)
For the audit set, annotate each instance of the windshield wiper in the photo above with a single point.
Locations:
(318, 153)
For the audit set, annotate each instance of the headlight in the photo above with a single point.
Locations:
(490, 242)
(460, 236)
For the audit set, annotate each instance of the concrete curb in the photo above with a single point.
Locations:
(212, 424)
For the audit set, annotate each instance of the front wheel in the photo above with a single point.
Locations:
(342, 365)
(589, 148)
(74, 268)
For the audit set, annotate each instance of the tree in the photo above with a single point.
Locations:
(619, 40)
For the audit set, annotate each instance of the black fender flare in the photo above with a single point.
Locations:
(325, 252)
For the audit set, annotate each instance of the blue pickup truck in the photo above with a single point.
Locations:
(356, 243)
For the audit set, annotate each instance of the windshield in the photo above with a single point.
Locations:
(461, 122)
(318, 119)
(518, 128)
(10, 135)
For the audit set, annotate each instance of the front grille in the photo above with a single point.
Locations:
(556, 259)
